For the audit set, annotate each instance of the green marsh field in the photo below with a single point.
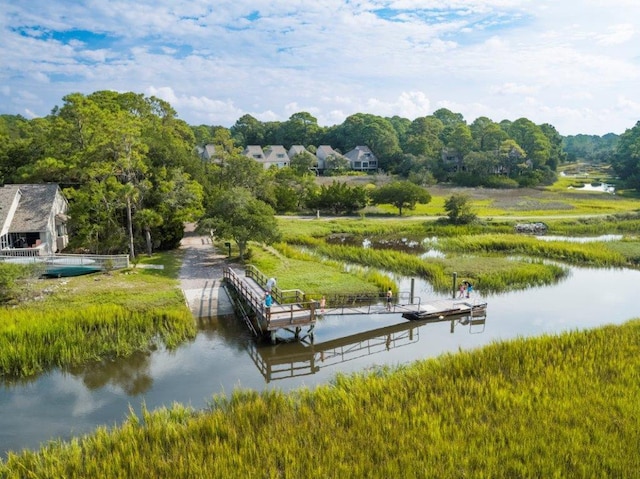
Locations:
(553, 406)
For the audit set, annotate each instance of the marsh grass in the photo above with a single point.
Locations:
(554, 406)
(74, 320)
(594, 254)
(489, 274)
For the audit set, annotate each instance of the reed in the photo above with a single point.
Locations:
(33, 341)
(74, 320)
(554, 406)
(595, 253)
(490, 275)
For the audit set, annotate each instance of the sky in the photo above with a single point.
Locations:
(574, 65)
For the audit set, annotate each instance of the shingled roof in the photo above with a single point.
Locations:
(34, 207)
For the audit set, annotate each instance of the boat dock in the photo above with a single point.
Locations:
(292, 312)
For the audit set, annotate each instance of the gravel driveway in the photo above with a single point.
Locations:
(201, 276)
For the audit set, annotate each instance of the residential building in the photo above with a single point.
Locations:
(362, 159)
(322, 153)
(33, 219)
(276, 155)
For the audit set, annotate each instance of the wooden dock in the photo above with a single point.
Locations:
(291, 312)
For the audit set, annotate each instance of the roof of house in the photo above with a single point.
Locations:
(276, 153)
(324, 151)
(359, 152)
(254, 151)
(7, 196)
(296, 150)
(34, 207)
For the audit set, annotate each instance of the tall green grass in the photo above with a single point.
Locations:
(488, 275)
(595, 253)
(74, 320)
(33, 341)
(554, 406)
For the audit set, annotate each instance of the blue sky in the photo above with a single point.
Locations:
(575, 65)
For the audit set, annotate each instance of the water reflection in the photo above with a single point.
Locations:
(224, 356)
(303, 358)
(131, 374)
(404, 245)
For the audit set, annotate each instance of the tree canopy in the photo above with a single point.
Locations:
(401, 194)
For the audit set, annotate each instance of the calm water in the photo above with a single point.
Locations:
(223, 356)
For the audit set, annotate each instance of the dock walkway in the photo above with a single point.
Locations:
(293, 313)
(289, 311)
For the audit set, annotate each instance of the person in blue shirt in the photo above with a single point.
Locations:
(268, 301)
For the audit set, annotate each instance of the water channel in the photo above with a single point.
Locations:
(223, 356)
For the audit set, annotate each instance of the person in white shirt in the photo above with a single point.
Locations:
(271, 284)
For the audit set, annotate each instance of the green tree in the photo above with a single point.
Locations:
(248, 131)
(292, 190)
(401, 194)
(237, 214)
(302, 163)
(301, 129)
(487, 134)
(458, 209)
(423, 137)
(626, 159)
(336, 164)
(339, 198)
(370, 130)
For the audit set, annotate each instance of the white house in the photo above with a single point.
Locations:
(322, 153)
(361, 158)
(276, 155)
(33, 219)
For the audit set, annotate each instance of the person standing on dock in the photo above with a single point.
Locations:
(389, 299)
(268, 301)
(469, 288)
(462, 289)
(271, 283)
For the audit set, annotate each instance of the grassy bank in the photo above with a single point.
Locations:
(555, 406)
(69, 321)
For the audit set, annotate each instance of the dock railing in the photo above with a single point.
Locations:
(282, 296)
(103, 262)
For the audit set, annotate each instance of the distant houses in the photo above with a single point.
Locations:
(361, 158)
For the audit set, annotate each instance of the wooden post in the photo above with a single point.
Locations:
(455, 280)
(413, 285)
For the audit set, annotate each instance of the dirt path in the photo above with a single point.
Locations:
(201, 276)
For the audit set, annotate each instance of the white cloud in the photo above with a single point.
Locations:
(214, 62)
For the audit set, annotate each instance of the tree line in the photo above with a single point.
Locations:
(130, 168)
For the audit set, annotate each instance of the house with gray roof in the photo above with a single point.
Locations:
(276, 155)
(322, 153)
(296, 150)
(33, 219)
(208, 153)
(361, 158)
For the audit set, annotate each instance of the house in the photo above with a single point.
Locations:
(208, 153)
(362, 159)
(322, 153)
(296, 150)
(255, 152)
(33, 219)
(276, 155)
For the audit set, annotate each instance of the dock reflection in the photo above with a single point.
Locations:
(306, 357)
